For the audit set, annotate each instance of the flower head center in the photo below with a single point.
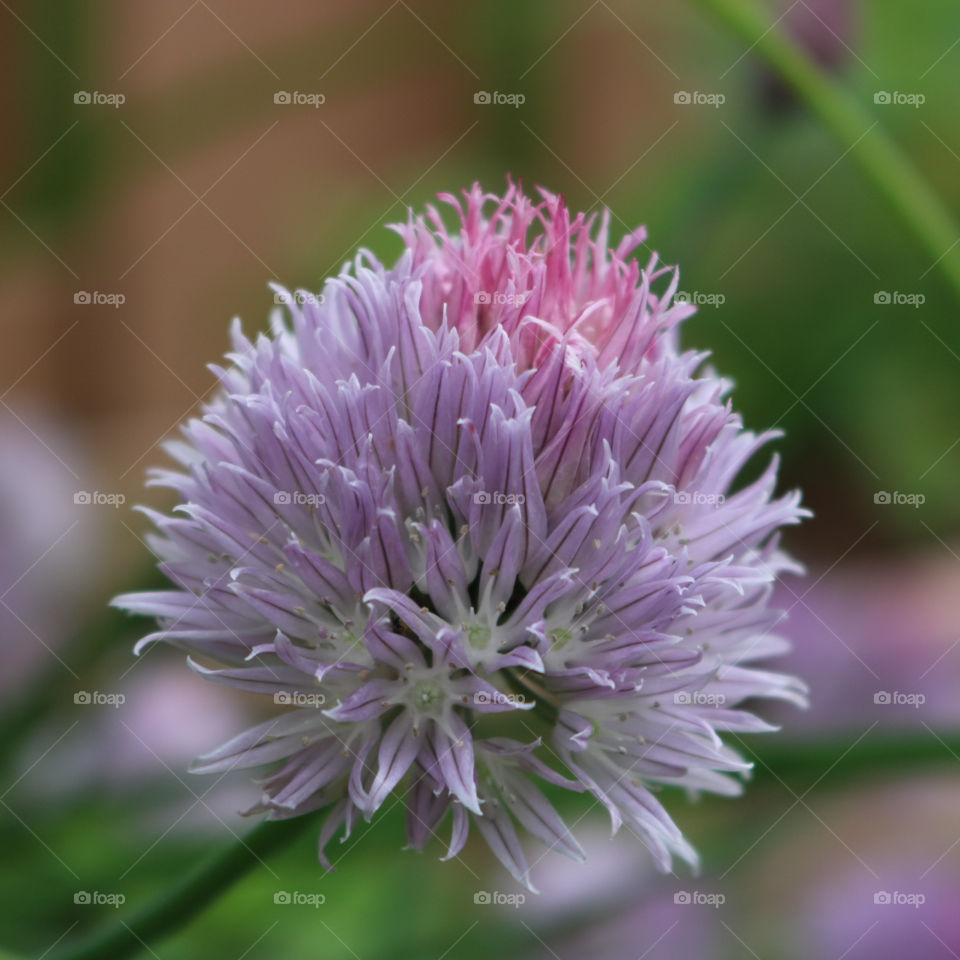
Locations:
(428, 695)
(478, 636)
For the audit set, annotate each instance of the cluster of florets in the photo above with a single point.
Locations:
(473, 518)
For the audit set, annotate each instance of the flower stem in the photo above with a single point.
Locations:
(886, 166)
(127, 936)
(831, 760)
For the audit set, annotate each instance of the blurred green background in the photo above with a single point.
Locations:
(185, 199)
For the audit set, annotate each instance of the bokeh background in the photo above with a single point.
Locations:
(131, 232)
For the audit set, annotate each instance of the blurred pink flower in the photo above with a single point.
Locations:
(872, 874)
(49, 547)
(882, 640)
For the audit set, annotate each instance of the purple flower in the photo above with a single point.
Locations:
(473, 518)
(51, 544)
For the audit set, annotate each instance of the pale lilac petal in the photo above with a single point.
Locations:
(398, 749)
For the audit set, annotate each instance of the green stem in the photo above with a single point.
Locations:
(829, 761)
(127, 936)
(886, 166)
